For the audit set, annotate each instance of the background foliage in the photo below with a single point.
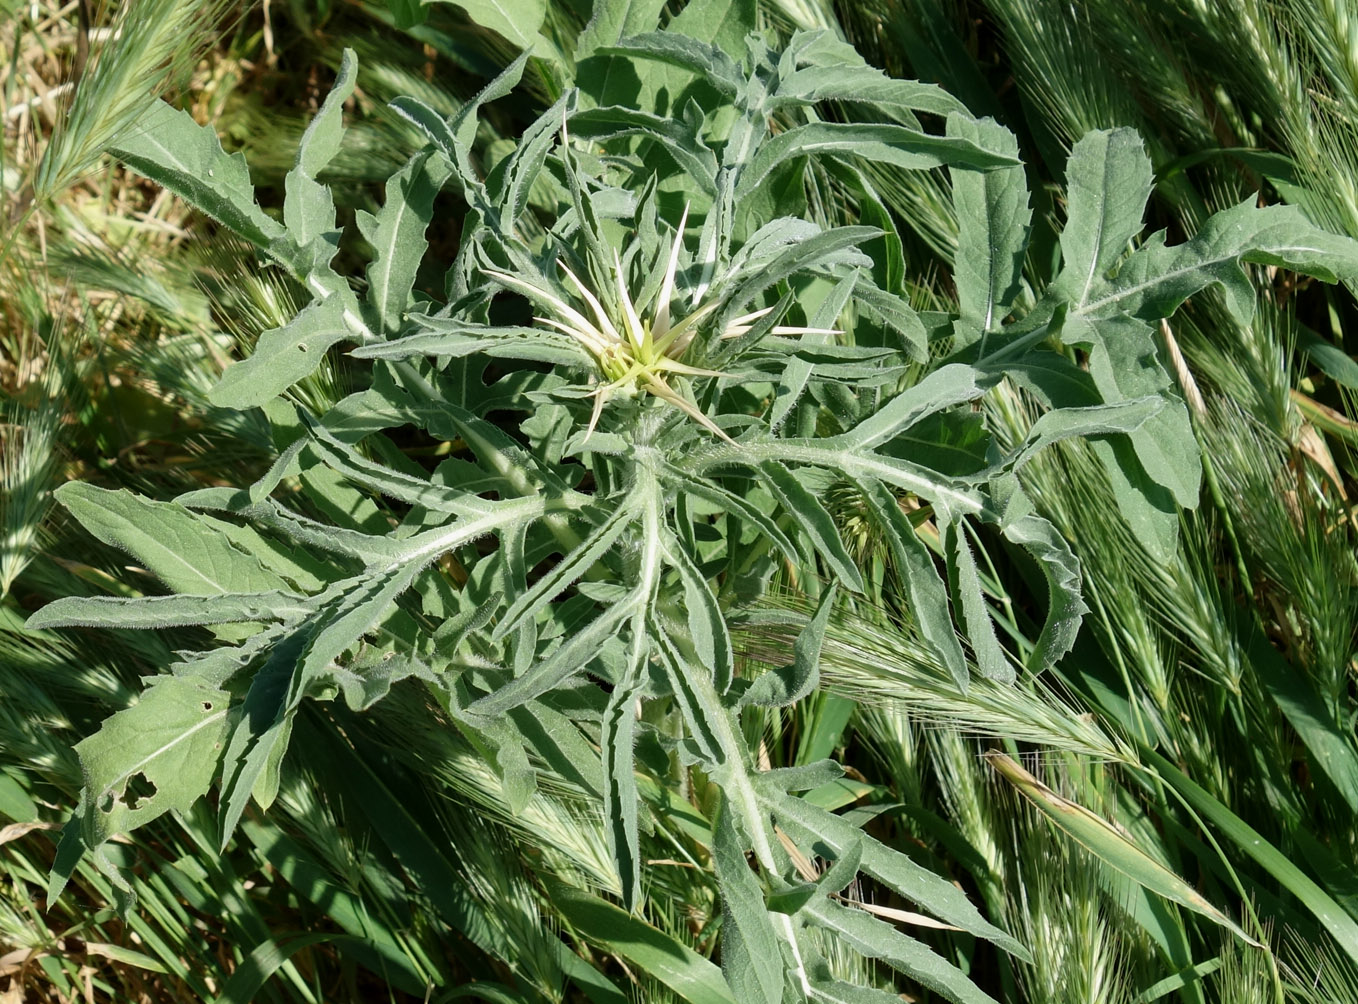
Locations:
(1203, 727)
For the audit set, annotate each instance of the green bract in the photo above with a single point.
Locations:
(655, 457)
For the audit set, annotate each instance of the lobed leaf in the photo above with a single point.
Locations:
(170, 148)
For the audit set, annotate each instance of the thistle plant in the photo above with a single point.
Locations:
(564, 582)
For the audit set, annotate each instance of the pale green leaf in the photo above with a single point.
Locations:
(924, 586)
(751, 959)
(308, 209)
(167, 540)
(707, 626)
(448, 338)
(1108, 182)
(975, 613)
(1061, 569)
(815, 521)
(617, 737)
(684, 52)
(786, 685)
(1125, 365)
(571, 567)
(517, 20)
(396, 234)
(1156, 279)
(167, 611)
(170, 741)
(947, 386)
(830, 69)
(174, 151)
(894, 145)
(992, 225)
(673, 136)
(563, 663)
(1125, 416)
(285, 355)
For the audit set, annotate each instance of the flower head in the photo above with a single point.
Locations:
(636, 354)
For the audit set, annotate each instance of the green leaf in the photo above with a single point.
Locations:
(992, 225)
(924, 586)
(786, 685)
(897, 315)
(167, 611)
(1331, 360)
(167, 745)
(1110, 845)
(815, 522)
(396, 234)
(260, 735)
(178, 547)
(734, 503)
(878, 940)
(811, 827)
(655, 953)
(345, 460)
(522, 168)
(1177, 981)
(751, 960)
(785, 252)
(454, 137)
(174, 151)
(1108, 182)
(517, 20)
(1125, 416)
(358, 610)
(368, 681)
(723, 23)
(614, 20)
(895, 145)
(267, 958)
(1330, 744)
